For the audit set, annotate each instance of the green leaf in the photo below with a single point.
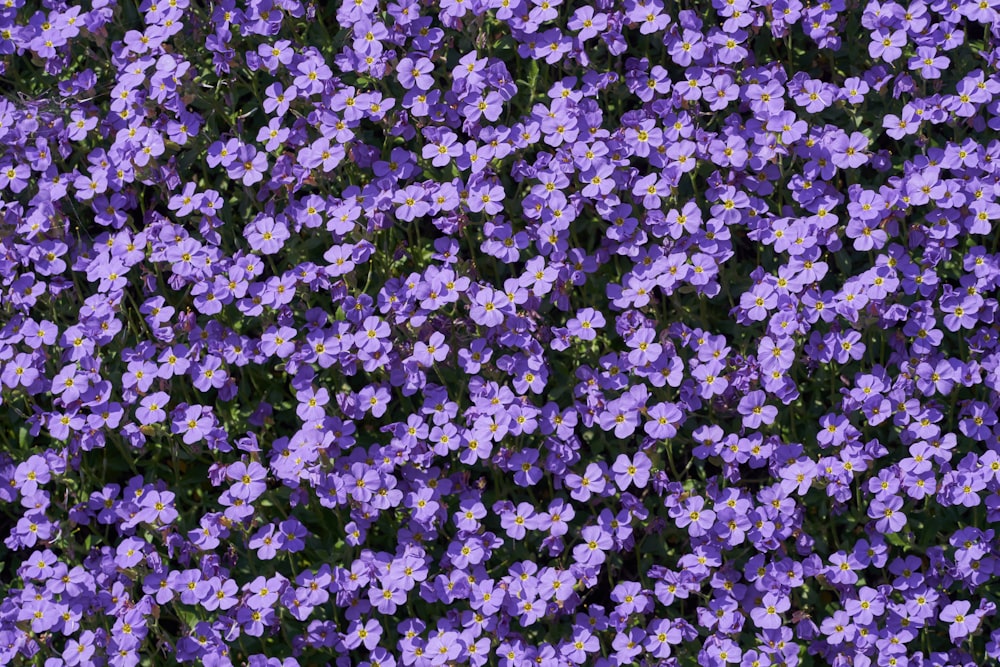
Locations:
(896, 540)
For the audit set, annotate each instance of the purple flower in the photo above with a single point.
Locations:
(248, 165)
(592, 481)
(585, 324)
(415, 72)
(758, 301)
(472, 358)
(130, 552)
(435, 349)
(442, 146)
(412, 203)
(69, 384)
(694, 516)
(266, 235)
(489, 307)
(664, 420)
(849, 347)
(885, 512)
(928, 62)
(588, 22)
(363, 633)
(768, 614)
(897, 127)
(887, 45)
(591, 552)
(661, 634)
(249, 480)
(961, 310)
(651, 188)
(518, 522)
(644, 349)
(266, 541)
(755, 411)
(620, 415)
(868, 605)
(20, 371)
(254, 621)
(526, 472)
(962, 623)
(374, 399)
(157, 507)
(635, 470)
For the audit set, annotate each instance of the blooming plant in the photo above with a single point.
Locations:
(499, 332)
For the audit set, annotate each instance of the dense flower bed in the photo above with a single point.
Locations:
(508, 332)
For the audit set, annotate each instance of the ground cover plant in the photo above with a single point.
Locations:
(499, 332)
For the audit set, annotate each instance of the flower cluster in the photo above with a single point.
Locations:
(513, 332)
